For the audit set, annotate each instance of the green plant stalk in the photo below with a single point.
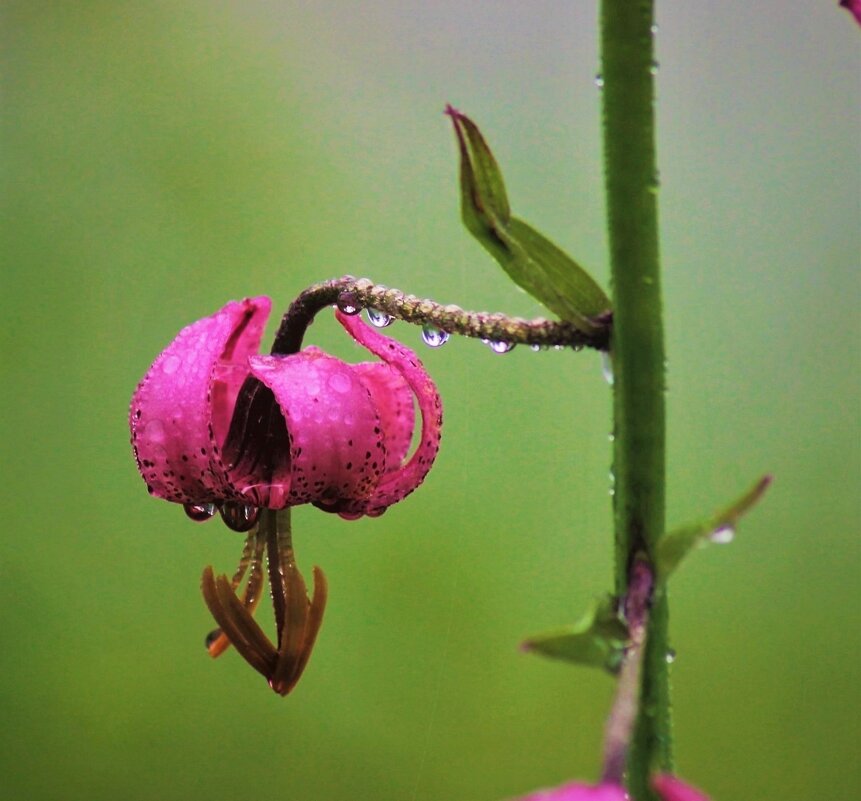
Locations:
(637, 349)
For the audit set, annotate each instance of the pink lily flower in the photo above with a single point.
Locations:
(853, 7)
(214, 424)
(668, 787)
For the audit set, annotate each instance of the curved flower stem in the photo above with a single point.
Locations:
(623, 716)
(637, 350)
(361, 292)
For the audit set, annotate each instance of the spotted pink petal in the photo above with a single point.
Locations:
(580, 792)
(673, 789)
(393, 398)
(181, 396)
(336, 443)
(399, 483)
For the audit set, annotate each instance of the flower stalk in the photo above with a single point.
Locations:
(637, 351)
(357, 293)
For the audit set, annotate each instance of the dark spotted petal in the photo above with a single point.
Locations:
(335, 433)
(399, 483)
(190, 388)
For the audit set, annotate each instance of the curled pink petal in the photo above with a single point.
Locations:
(172, 409)
(399, 483)
(336, 444)
(853, 7)
(393, 398)
(579, 792)
(671, 788)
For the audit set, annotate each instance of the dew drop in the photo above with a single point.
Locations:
(348, 303)
(654, 30)
(536, 348)
(653, 68)
(434, 337)
(239, 516)
(599, 81)
(211, 638)
(378, 318)
(200, 512)
(500, 346)
(723, 535)
(670, 656)
(607, 367)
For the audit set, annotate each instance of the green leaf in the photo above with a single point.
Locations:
(531, 260)
(598, 639)
(719, 528)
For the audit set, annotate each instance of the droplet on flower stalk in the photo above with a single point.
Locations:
(200, 512)
(433, 337)
(499, 346)
(348, 303)
(239, 516)
(607, 367)
(723, 535)
(378, 318)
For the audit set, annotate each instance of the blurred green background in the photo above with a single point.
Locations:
(161, 158)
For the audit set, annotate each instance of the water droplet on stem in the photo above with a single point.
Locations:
(433, 337)
(378, 318)
(348, 303)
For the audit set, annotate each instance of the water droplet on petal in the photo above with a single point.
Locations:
(376, 512)
(599, 81)
(211, 638)
(200, 512)
(654, 29)
(607, 367)
(239, 516)
(535, 348)
(378, 318)
(350, 515)
(348, 303)
(500, 346)
(433, 336)
(723, 535)
(653, 68)
(670, 656)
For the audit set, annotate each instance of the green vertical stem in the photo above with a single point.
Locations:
(637, 348)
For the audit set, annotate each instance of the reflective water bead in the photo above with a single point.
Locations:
(348, 303)
(433, 337)
(500, 346)
(211, 638)
(599, 80)
(378, 318)
(723, 535)
(200, 512)
(239, 516)
(536, 348)
(670, 656)
(607, 367)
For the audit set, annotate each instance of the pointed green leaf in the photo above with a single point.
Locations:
(531, 260)
(719, 528)
(598, 639)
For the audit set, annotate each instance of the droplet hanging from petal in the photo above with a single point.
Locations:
(239, 516)
(200, 512)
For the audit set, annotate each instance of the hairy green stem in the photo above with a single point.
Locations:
(362, 293)
(637, 350)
